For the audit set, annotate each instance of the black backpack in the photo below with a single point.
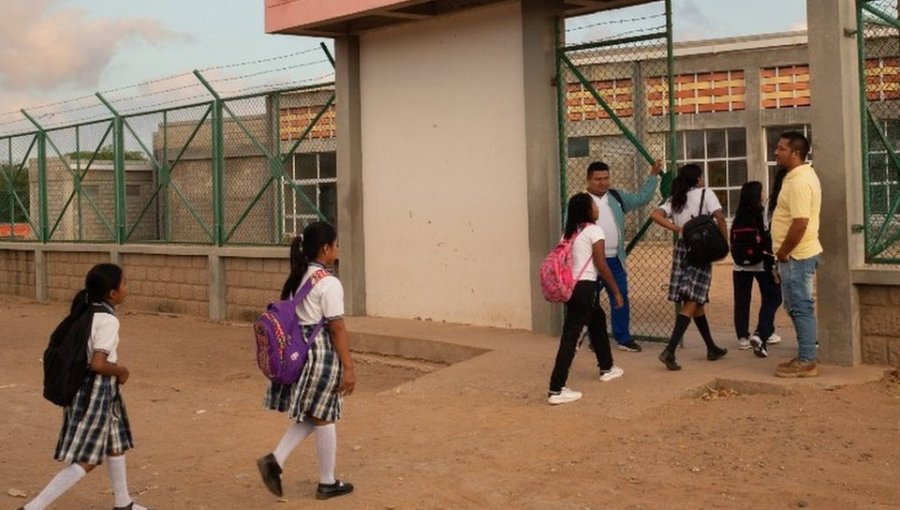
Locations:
(702, 238)
(749, 241)
(65, 359)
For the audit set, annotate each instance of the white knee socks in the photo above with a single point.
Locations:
(326, 452)
(63, 481)
(119, 479)
(291, 438)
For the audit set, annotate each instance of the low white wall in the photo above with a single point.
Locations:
(443, 157)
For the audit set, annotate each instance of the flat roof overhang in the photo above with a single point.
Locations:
(331, 18)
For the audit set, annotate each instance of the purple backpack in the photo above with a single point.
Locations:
(281, 349)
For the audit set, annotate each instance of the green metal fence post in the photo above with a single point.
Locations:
(118, 170)
(864, 125)
(218, 161)
(562, 89)
(670, 68)
(42, 178)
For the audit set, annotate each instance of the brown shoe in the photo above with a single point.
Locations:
(797, 368)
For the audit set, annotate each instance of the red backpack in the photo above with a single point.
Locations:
(557, 282)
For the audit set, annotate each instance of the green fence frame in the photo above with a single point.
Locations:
(120, 229)
(879, 238)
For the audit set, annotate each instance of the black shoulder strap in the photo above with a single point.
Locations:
(618, 196)
(702, 201)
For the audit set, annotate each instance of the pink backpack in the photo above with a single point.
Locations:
(557, 282)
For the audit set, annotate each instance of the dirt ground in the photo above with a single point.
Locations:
(478, 434)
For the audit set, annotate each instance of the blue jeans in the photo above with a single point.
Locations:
(797, 289)
(619, 317)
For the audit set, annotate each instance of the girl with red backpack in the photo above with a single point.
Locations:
(583, 308)
(315, 401)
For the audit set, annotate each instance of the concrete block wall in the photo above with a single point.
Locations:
(17, 273)
(251, 284)
(167, 283)
(216, 282)
(880, 323)
(66, 271)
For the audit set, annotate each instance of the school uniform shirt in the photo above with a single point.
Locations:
(583, 252)
(104, 335)
(691, 208)
(607, 222)
(326, 299)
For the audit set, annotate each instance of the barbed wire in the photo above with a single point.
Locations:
(621, 35)
(615, 22)
(262, 60)
(164, 79)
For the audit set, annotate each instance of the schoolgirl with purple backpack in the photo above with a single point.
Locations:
(314, 401)
(588, 259)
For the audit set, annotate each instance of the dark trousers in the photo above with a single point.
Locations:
(770, 294)
(582, 310)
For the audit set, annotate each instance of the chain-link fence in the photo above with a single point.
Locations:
(614, 108)
(879, 48)
(225, 170)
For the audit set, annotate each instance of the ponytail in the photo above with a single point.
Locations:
(304, 249)
(688, 177)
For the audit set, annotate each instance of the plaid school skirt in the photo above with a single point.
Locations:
(95, 424)
(687, 282)
(316, 393)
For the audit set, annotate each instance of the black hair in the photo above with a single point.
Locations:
(797, 142)
(688, 177)
(750, 203)
(578, 213)
(99, 282)
(304, 249)
(597, 166)
(776, 189)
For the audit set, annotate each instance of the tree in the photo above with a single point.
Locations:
(11, 182)
(106, 153)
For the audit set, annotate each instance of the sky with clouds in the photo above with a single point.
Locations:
(65, 50)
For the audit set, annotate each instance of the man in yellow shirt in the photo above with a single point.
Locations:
(795, 240)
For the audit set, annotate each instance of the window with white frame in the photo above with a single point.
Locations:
(773, 133)
(722, 154)
(883, 182)
(314, 179)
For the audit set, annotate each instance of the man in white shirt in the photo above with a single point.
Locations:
(613, 204)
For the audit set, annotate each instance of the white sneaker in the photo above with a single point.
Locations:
(743, 344)
(564, 396)
(612, 373)
(774, 339)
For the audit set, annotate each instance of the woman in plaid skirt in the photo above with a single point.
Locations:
(689, 285)
(95, 425)
(314, 402)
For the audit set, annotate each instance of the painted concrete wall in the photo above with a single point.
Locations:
(444, 188)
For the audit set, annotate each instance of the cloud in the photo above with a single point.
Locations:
(46, 46)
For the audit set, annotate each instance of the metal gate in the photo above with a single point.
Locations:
(878, 37)
(615, 106)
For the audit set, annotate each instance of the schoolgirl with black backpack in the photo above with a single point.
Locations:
(751, 250)
(691, 276)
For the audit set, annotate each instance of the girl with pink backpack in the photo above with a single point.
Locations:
(583, 308)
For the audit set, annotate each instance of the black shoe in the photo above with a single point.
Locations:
(631, 346)
(668, 359)
(271, 474)
(129, 506)
(759, 347)
(338, 488)
(716, 353)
